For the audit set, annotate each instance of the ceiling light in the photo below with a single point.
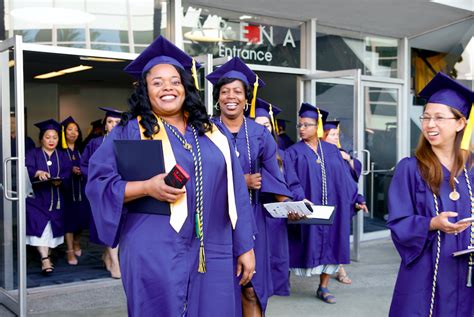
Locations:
(53, 16)
(100, 59)
(245, 17)
(63, 72)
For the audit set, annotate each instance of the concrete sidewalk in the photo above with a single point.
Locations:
(369, 295)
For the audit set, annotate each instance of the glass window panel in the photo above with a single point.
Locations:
(33, 36)
(71, 35)
(111, 47)
(108, 6)
(143, 37)
(109, 36)
(340, 49)
(255, 39)
(110, 22)
(143, 7)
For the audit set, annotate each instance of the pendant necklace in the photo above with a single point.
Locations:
(454, 195)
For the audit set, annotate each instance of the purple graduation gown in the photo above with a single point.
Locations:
(160, 266)
(90, 149)
(47, 196)
(411, 207)
(76, 207)
(314, 245)
(279, 254)
(263, 149)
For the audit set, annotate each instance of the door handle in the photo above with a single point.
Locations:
(367, 166)
(6, 189)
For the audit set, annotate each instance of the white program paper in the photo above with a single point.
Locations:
(281, 210)
(321, 212)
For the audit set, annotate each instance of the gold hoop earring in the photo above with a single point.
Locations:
(216, 106)
(246, 106)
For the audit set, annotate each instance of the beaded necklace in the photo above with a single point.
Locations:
(48, 164)
(320, 160)
(438, 245)
(199, 189)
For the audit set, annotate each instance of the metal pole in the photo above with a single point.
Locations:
(372, 178)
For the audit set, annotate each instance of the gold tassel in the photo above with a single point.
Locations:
(339, 136)
(320, 125)
(466, 138)
(194, 72)
(202, 259)
(254, 98)
(272, 118)
(63, 139)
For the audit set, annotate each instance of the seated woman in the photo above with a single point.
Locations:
(48, 169)
(191, 261)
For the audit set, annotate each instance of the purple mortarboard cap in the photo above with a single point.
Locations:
(328, 125)
(110, 112)
(236, 69)
(282, 123)
(444, 90)
(68, 120)
(309, 111)
(161, 51)
(262, 109)
(49, 124)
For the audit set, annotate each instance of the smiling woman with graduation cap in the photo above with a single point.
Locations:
(235, 86)
(427, 191)
(44, 211)
(189, 262)
(110, 255)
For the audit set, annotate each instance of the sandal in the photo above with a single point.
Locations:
(343, 278)
(47, 270)
(71, 257)
(324, 294)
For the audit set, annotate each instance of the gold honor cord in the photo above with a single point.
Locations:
(272, 118)
(63, 138)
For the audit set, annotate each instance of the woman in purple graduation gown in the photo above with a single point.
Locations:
(110, 255)
(44, 212)
(265, 114)
(76, 210)
(331, 135)
(428, 195)
(190, 262)
(256, 150)
(315, 171)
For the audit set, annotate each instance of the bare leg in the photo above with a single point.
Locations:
(71, 257)
(77, 243)
(250, 305)
(324, 280)
(46, 265)
(114, 262)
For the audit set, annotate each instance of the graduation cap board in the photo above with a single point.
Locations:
(309, 111)
(444, 90)
(237, 69)
(162, 51)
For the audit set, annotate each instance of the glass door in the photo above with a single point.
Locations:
(381, 103)
(13, 175)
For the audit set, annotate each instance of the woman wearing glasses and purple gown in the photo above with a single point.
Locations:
(429, 194)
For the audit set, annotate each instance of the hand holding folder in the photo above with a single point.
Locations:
(141, 160)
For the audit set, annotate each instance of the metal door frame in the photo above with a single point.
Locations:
(15, 302)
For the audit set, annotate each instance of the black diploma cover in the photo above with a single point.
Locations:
(139, 160)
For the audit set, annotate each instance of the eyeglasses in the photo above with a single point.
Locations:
(426, 119)
(305, 125)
